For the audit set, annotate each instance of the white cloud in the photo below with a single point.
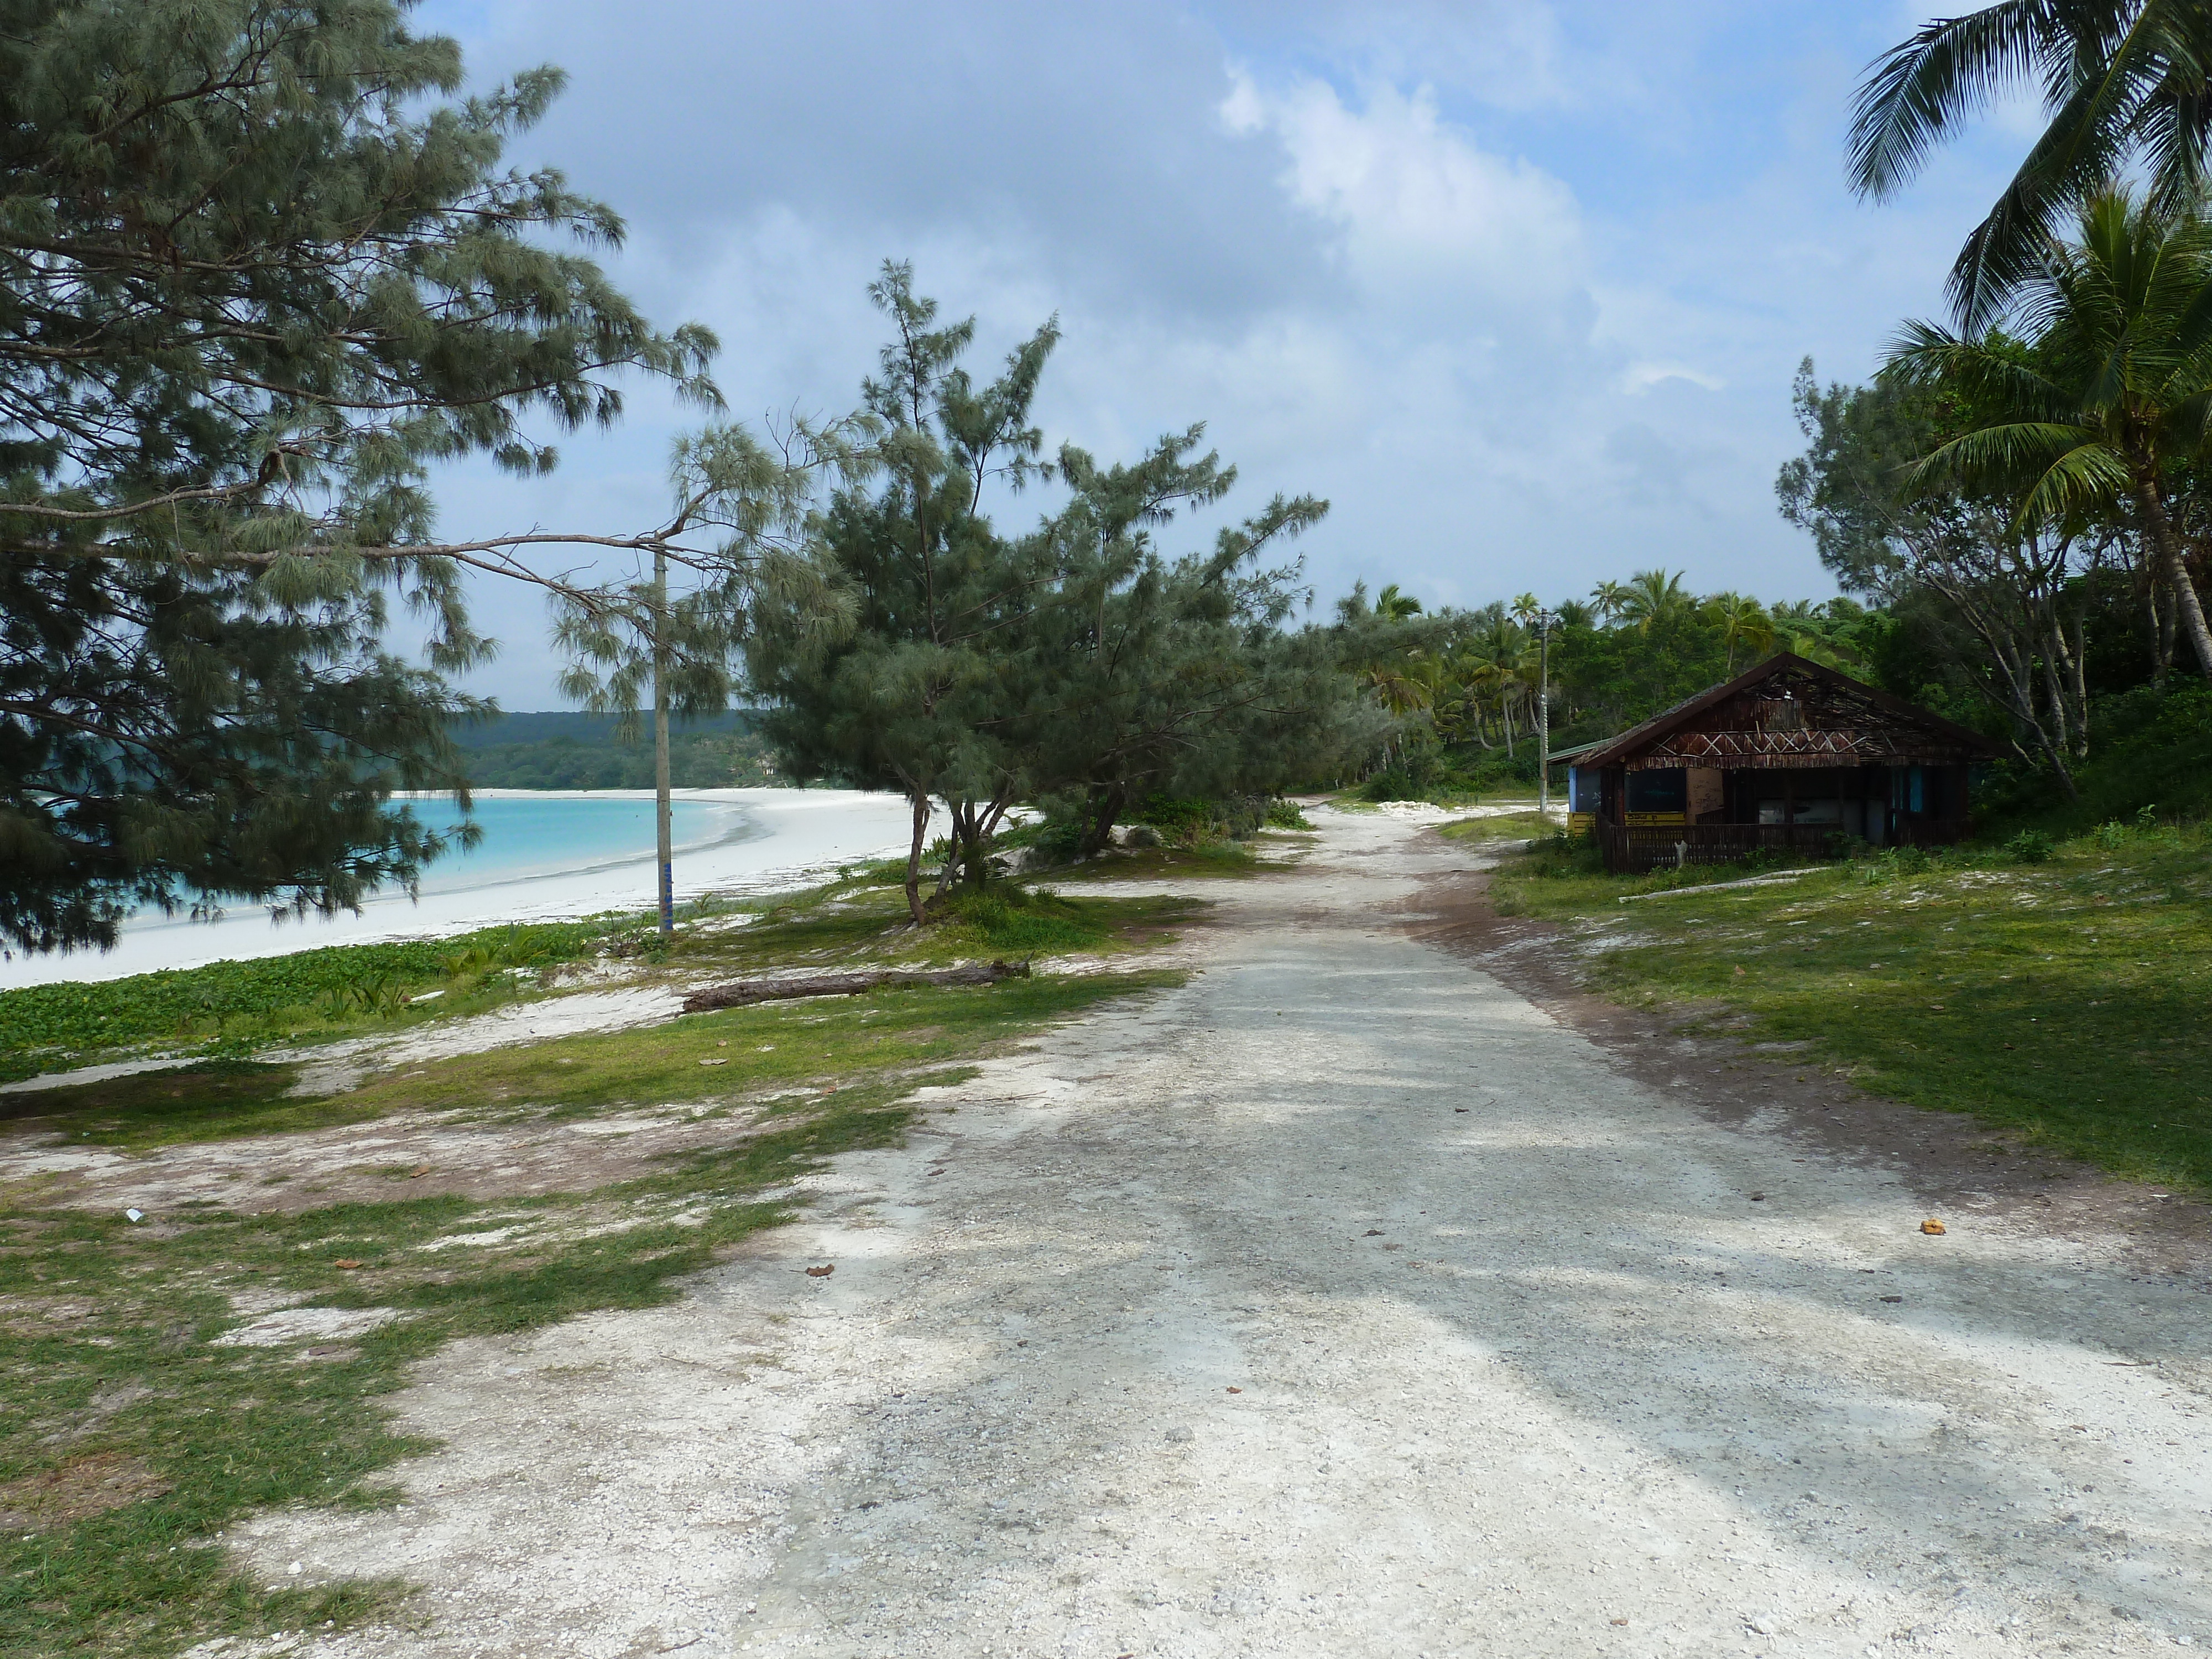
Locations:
(1518, 284)
(1416, 206)
(1642, 376)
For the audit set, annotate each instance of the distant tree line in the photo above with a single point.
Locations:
(1461, 685)
(565, 750)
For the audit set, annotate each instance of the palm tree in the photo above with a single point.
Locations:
(1653, 596)
(1391, 605)
(2122, 82)
(1606, 599)
(1821, 631)
(2117, 386)
(1743, 620)
(1400, 685)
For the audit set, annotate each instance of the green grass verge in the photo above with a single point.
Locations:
(2064, 1000)
(236, 1009)
(1208, 859)
(1505, 826)
(330, 991)
(112, 1381)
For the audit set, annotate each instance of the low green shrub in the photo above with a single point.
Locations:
(1016, 921)
(2029, 846)
(235, 999)
(1185, 820)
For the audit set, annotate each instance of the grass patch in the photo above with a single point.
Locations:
(328, 992)
(1017, 921)
(215, 1100)
(1503, 826)
(2062, 999)
(233, 1010)
(1206, 858)
(129, 1435)
(863, 921)
(770, 1045)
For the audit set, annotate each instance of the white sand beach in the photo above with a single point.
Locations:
(779, 838)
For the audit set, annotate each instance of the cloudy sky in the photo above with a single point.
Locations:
(1519, 287)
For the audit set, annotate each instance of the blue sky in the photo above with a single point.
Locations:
(1519, 287)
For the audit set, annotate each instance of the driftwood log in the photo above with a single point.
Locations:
(748, 991)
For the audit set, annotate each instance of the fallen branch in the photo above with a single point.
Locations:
(748, 991)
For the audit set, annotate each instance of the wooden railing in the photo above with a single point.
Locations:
(1631, 850)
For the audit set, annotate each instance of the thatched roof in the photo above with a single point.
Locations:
(1787, 711)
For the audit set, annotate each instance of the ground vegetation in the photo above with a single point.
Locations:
(2046, 987)
(117, 1330)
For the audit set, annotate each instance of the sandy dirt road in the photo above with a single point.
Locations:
(1340, 1303)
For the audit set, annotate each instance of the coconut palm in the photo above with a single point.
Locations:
(2124, 82)
(1811, 628)
(1743, 623)
(1653, 596)
(2117, 388)
(1606, 599)
(1391, 605)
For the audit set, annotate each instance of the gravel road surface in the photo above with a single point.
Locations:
(1340, 1303)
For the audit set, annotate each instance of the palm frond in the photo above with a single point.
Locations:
(2119, 78)
(2188, 423)
(1924, 356)
(2077, 483)
(1997, 458)
(1921, 91)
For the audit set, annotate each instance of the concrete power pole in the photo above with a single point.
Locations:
(1546, 620)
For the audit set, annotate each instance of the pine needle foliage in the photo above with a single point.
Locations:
(257, 277)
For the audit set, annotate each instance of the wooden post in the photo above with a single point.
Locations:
(663, 838)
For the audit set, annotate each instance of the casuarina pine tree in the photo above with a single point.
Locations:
(255, 279)
(908, 693)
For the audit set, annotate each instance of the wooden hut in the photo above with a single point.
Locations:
(1788, 755)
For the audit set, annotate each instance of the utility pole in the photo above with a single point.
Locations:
(662, 835)
(1546, 620)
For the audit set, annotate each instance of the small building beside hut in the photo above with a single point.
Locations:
(1787, 756)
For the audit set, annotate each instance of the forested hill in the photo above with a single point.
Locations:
(558, 749)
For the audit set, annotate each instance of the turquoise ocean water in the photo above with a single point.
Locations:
(547, 835)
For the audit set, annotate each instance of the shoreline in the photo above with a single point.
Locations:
(802, 834)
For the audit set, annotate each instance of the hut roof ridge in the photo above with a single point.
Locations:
(1668, 720)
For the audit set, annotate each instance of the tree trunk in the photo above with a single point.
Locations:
(1105, 811)
(972, 870)
(2161, 629)
(2075, 681)
(958, 840)
(746, 993)
(914, 856)
(2189, 611)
